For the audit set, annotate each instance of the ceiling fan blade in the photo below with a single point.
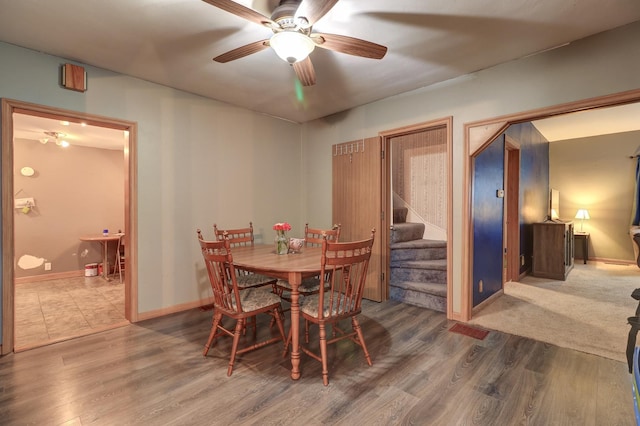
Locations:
(242, 51)
(313, 10)
(349, 45)
(242, 11)
(305, 72)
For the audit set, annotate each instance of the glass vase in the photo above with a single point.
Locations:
(282, 243)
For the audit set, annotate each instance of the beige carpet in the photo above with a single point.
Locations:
(587, 312)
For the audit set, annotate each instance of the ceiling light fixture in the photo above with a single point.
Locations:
(56, 136)
(292, 46)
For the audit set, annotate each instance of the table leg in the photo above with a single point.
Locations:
(585, 247)
(105, 252)
(294, 280)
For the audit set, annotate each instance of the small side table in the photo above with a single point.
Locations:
(584, 236)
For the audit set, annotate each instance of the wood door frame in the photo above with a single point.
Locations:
(511, 240)
(477, 135)
(386, 136)
(9, 107)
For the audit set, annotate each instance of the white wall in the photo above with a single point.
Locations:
(199, 161)
(600, 65)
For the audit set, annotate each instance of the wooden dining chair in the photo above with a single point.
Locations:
(238, 238)
(346, 266)
(313, 237)
(234, 302)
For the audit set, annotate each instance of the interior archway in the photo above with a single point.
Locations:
(481, 133)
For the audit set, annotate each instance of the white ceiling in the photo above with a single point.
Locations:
(31, 128)
(601, 121)
(172, 42)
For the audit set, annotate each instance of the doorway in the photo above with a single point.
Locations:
(446, 164)
(480, 134)
(9, 108)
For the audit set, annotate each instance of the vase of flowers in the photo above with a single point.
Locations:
(282, 242)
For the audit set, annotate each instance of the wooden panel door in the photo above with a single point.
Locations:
(358, 204)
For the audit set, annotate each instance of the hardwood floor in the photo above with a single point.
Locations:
(153, 373)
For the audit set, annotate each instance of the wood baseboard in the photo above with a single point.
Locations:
(123, 323)
(47, 277)
(605, 260)
(487, 302)
(174, 309)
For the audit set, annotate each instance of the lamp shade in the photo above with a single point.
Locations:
(582, 214)
(291, 46)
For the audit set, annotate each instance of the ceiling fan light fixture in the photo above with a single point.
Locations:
(292, 46)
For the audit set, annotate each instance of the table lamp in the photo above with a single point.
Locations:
(582, 214)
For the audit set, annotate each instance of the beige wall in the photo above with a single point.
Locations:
(77, 191)
(596, 173)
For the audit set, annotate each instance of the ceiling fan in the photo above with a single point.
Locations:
(57, 137)
(293, 39)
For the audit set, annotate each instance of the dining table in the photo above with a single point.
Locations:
(293, 267)
(104, 240)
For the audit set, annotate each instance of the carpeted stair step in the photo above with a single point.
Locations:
(424, 294)
(419, 271)
(400, 214)
(418, 250)
(407, 232)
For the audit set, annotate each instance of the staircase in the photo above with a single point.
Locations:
(418, 266)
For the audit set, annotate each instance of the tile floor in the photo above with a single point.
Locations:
(55, 310)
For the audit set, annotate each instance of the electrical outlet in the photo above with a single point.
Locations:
(47, 266)
(521, 260)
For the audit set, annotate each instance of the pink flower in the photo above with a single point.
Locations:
(284, 226)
